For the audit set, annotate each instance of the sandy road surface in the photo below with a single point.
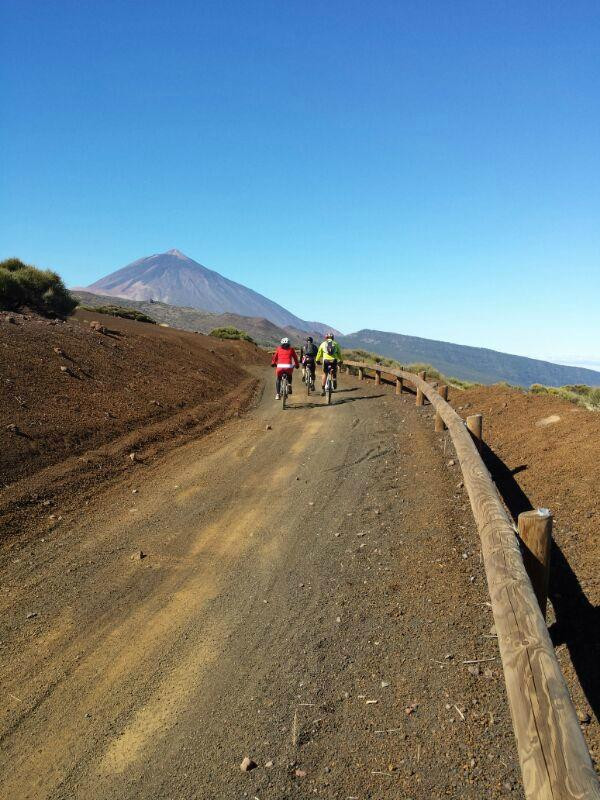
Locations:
(308, 598)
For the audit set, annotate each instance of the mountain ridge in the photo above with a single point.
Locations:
(479, 364)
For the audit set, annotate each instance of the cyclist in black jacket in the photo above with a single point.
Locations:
(308, 354)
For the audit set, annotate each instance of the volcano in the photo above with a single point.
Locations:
(177, 279)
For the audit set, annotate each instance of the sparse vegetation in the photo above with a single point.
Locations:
(587, 396)
(371, 358)
(230, 332)
(25, 286)
(120, 311)
(432, 372)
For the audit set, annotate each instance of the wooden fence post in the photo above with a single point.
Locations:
(360, 373)
(377, 377)
(475, 425)
(420, 401)
(398, 385)
(535, 530)
(440, 425)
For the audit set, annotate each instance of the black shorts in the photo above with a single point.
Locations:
(329, 364)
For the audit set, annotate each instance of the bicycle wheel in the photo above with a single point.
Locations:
(308, 382)
(328, 389)
(284, 388)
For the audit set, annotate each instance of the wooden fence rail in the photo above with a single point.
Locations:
(554, 758)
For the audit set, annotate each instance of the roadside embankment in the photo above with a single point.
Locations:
(83, 402)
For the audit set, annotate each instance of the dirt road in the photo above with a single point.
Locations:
(308, 597)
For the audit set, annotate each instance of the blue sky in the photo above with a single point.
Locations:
(431, 168)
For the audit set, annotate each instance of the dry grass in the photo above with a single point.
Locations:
(432, 373)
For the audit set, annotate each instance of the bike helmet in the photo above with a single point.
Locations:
(309, 339)
(285, 341)
(330, 335)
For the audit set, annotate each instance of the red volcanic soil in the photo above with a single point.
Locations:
(75, 402)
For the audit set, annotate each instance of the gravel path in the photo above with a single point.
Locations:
(308, 596)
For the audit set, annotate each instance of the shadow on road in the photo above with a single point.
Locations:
(406, 389)
(334, 402)
(354, 399)
(577, 620)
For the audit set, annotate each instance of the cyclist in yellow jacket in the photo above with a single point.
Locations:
(331, 355)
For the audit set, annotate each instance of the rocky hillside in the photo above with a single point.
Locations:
(263, 332)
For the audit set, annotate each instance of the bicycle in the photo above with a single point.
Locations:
(309, 380)
(283, 390)
(329, 385)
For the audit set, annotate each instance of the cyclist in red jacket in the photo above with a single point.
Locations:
(285, 360)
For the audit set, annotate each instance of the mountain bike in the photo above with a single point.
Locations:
(309, 380)
(329, 385)
(283, 390)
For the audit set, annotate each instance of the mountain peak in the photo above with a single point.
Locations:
(177, 254)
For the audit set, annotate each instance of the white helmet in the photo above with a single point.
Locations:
(285, 340)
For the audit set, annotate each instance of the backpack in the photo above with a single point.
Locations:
(330, 347)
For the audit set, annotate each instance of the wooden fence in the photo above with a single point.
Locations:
(555, 761)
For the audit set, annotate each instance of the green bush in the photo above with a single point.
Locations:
(586, 396)
(231, 333)
(11, 291)
(121, 311)
(24, 286)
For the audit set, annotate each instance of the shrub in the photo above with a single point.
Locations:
(121, 311)
(586, 396)
(12, 264)
(11, 291)
(231, 333)
(24, 286)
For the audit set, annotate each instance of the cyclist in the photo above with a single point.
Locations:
(331, 355)
(285, 360)
(308, 353)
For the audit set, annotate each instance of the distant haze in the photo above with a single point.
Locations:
(584, 364)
